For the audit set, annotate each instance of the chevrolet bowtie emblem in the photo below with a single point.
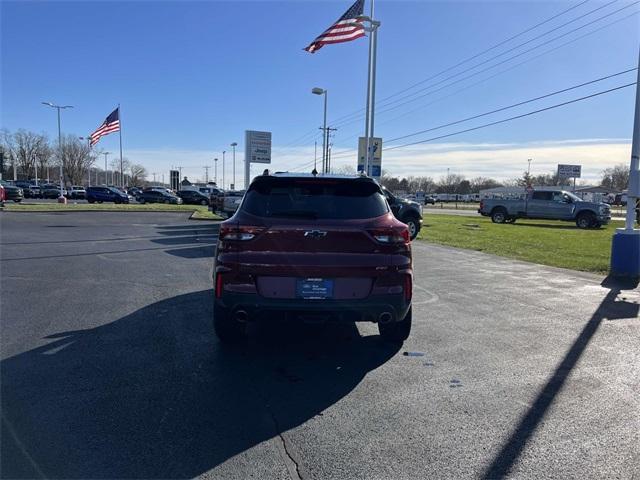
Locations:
(315, 233)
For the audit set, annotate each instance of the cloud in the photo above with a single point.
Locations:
(497, 160)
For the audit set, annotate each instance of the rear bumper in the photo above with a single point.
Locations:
(269, 309)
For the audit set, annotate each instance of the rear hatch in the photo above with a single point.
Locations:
(328, 237)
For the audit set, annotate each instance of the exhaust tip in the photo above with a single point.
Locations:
(241, 316)
(385, 317)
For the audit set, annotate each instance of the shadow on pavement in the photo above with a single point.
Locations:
(609, 309)
(153, 394)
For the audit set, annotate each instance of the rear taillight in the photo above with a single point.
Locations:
(218, 285)
(239, 233)
(392, 235)
(408, 287)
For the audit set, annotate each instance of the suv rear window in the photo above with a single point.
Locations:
(315, 198)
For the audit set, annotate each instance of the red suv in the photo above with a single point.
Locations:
(313, 247)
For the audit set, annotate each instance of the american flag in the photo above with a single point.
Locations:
(347, 28)
(111, 124)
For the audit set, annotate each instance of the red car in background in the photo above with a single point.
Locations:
(313, 247)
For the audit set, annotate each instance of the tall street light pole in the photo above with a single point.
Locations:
(223, 152)
(106, 179)
(215, 171)
(321, 91)
(234, 145)
(61, 198)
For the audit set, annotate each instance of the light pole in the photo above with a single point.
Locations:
(234, 145)
(320, 91)
(215, 174)
(223, 152)
(61, 198)
(106, 179)
(529, 168)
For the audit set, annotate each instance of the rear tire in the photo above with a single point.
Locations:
(141, 200)
(204, 202)
(414, 226)
(396, 332)
(585, 220)
(227, 329)
(499, 215)
(90, 200)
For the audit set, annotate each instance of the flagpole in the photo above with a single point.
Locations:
(368, 103)
(120, 131)
(371, 88)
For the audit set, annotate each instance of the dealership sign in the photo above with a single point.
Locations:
(375, 169)
(257, 146)
(569, 171)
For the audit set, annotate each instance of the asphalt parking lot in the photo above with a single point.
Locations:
(109, 368)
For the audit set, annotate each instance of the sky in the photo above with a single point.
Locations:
(191, 77)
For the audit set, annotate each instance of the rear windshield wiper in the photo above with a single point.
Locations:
(295, 213)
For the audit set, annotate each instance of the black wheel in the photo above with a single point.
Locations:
(499, 215)
(396, 331)
(585, 220)
(227, 329)
(90, 200)
(414, 226)
(99, 201)
(117, 202)
(204, 202)
(141, 200)
(167, 202)
(17, 200)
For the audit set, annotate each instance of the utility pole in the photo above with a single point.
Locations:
(154, 178)
(180, 179)
(215, 174)
(206, 174)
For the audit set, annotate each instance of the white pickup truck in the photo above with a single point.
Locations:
(547, 204)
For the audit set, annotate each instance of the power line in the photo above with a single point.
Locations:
(448, 69)
(516, 116)
(524, 102)
(502, 71)
(412, 97)
(508, 119)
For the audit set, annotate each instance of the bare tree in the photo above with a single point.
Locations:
(76, 158)
(138, 174)
(616, 178)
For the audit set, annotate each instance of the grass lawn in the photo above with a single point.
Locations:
(199, 212)
(559, 244)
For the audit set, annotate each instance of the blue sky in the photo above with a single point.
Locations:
(192, 76)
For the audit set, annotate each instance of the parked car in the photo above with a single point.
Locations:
(313, 248)
(406, 211)
(226, 202)
(52, 191)
(158, 196)
(106, 194)
(193, 197)
(134, 191)
(11, 192)
(547, 204)
(77, 191)
(429, 200)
